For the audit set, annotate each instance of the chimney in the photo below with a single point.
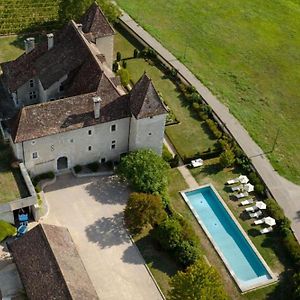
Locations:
(50, 38)
(97, 101)
(29, 44)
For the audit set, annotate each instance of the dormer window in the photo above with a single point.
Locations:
(31, 83)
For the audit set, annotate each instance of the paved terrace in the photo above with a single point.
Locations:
(286, 193)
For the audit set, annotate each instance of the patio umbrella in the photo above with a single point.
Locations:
(261, 205)
(249, 187)
(243, 179)
(270, 221)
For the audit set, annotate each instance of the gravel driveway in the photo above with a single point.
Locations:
(92, 210)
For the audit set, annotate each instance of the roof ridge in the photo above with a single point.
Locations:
(52, 252)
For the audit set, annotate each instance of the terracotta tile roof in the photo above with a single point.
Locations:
(50, 266)
(144, 100)
(95, 24)
(67, 114)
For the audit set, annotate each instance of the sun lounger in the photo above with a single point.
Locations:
(251, 209)
(255, 214)
(266, 230)
(260, 221)
(247, 202)
(237, 188)
(241, 195)
(232, 181)
(197, 163)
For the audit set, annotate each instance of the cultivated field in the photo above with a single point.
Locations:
(247, 53)
(18, 15)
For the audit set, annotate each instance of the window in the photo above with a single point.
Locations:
(149, 133)
(31, 83)
(113, 127)
(33, 142)
(103, 160)
(34, 155)
(32, 95)
(113, 144)
(90, 148)
(90, 132)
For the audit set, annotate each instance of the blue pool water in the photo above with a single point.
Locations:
(234, 249)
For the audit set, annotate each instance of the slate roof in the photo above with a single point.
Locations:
(94, 23)
(69, 52)
(50, 266)
(67, 114)
(144, 100)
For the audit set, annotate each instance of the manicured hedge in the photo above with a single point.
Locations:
(38, 178)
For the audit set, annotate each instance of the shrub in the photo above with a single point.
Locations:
(227, 159)
(214, 128)
(119, 56)
(38, 178)
(145, 170)
(179, 238)
(38, 189)
(135, 53)
(275, 210)
(196, 106)
(259, 188)
(203, 116)
(94, 166)
(115, 67)
(142, 210)
(77, 169)
(166, 155)
(175, 161)
(293, 248)
(125, 76)
(244, 163)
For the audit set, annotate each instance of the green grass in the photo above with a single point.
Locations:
(247, 53)
(6, 230)
(7, 49)
(11, 182)
(190, 135)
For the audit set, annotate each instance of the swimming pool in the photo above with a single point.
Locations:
(240, 256)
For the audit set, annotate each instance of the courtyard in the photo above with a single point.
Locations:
(92, 210)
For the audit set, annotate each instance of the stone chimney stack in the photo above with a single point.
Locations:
(29, 44)
(50, 37)
(97, 102)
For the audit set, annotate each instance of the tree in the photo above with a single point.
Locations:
(199, 282)
(142, 210)
(227, 158)
(146, 171)
(75, 9)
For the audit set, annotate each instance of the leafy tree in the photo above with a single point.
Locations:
(296, 286)
(75, 9)
(199, 282)
(227, 158)
(146, 171)
(142, 210)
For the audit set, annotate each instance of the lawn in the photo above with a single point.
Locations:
(7, 49)
(247, 53)
(12, 186)
(190, 135)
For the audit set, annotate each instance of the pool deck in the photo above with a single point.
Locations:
(257, 283)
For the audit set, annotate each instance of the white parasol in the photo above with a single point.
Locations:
(270, 221)
(243, 179)
(249, 187)
(261, 205)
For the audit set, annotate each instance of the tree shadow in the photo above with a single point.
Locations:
(154, 256)
(253, 232)
(212, 169)
(37, 30)
(108, 190)
(108, 231)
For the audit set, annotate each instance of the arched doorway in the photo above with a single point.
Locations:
(62, 163)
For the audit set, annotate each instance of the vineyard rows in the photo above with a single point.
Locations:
(18, 15)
